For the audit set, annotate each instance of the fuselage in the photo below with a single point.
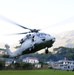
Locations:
(41, 40)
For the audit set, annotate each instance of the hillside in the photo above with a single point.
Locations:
(65, 39)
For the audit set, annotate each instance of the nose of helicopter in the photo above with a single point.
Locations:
(53, 39)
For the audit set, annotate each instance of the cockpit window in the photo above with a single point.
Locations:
(41, 35)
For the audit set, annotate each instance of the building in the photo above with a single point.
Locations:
(32, 60)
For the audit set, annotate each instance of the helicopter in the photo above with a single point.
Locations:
(32, 42)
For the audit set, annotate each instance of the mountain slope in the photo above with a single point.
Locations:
(65, 39)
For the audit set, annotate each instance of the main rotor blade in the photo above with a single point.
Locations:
(18, 33)
(6, 19)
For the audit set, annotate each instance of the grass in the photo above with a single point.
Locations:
(35, 72)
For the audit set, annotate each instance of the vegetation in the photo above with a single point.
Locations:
(1, 64)
(64, 52)
(36, 72)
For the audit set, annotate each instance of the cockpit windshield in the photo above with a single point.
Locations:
(41, 35)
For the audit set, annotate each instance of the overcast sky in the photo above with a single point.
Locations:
(52, 16)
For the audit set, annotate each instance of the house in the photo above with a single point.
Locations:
(32, 60)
